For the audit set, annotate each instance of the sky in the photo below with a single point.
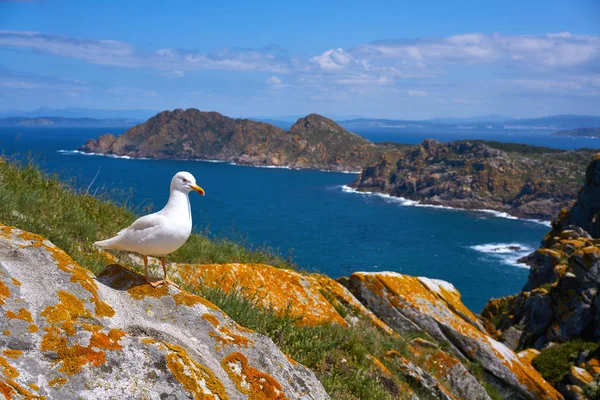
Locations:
(387, 59)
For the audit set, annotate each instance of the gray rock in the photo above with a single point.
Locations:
(65, 335)
(403, 301)
(511, 337)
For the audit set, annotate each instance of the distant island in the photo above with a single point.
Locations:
(312, 142)
(580, 132)
(521, 180)
(64, 121)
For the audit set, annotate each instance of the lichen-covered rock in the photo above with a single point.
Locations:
(579, 376)
(410, 304)
(65, 334)
(312, 298)
(448, 369)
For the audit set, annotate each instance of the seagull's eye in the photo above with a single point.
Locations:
(184, 180)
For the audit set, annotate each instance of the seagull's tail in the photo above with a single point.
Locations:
(107, 244)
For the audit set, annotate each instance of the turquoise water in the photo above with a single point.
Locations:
(309, 214)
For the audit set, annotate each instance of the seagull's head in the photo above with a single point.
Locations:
(185, 182)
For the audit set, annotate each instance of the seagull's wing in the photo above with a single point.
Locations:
(136, 232)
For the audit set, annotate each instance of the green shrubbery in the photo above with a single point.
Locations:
(555, 362)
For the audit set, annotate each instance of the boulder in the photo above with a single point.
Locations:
(66, 334)
(407, 304)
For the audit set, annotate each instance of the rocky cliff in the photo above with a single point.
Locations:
(312, 142)
(525, 181)
(560, 302)
(67, 334)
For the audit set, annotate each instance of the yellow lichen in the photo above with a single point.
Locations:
(57, 381)
(223, 335)
(78, 274)
(15, 282)
(63, 318)
(4, 293)
(12, 353)
(249, 380)
(23, 314)
(195, 378)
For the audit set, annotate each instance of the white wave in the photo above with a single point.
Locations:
(508, 253)
(83, 153)
(415, 203)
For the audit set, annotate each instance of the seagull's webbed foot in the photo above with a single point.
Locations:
(156, 284)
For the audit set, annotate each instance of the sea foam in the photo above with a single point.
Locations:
(415, 203)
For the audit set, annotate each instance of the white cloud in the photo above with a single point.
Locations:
(332, 60)
(417, 93)
(273, 81)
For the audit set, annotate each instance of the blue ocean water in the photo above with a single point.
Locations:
(308, 213)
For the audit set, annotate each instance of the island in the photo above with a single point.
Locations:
(580, 132)
(312, 142)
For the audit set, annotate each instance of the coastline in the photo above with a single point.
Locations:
(415, 203)
(71, 152)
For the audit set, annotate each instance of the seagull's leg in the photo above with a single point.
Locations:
(163, 261)
(146, 268)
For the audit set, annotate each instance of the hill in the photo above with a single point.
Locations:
(525, 181)
(312, 142)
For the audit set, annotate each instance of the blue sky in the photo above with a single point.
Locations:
(393, 59)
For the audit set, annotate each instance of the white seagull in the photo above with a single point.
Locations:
(162, 232)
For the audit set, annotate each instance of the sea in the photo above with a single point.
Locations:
(313, 216)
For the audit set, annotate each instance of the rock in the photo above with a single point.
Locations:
(408, 305)
(474, 174)
(579, 376)
(69, 335)
(528, 355)
(448, 369)
(572, 392)
(511, 337)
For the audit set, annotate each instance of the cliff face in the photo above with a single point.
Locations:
(65, 334)
(312, 142)
(524, 181)
(560, 302)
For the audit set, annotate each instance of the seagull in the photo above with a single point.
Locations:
(162, 232)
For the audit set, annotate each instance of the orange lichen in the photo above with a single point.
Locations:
(249, 380)
(64, 318)
(223, 335)
(6, 332)
(4, 293)
(34, 386)
(5, 389)
(15, 282)
(23, 314)
(147, 340)
(380, 366)
(8, 370)
(291, 360)
(12, 353)
(57, 381)
(190, 300)
(284, 291)
(142, 291)
(195, 378)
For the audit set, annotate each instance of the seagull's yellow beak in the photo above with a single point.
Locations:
(198, 189)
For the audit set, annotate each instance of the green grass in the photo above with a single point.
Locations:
(555, 362)
(42, 204)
